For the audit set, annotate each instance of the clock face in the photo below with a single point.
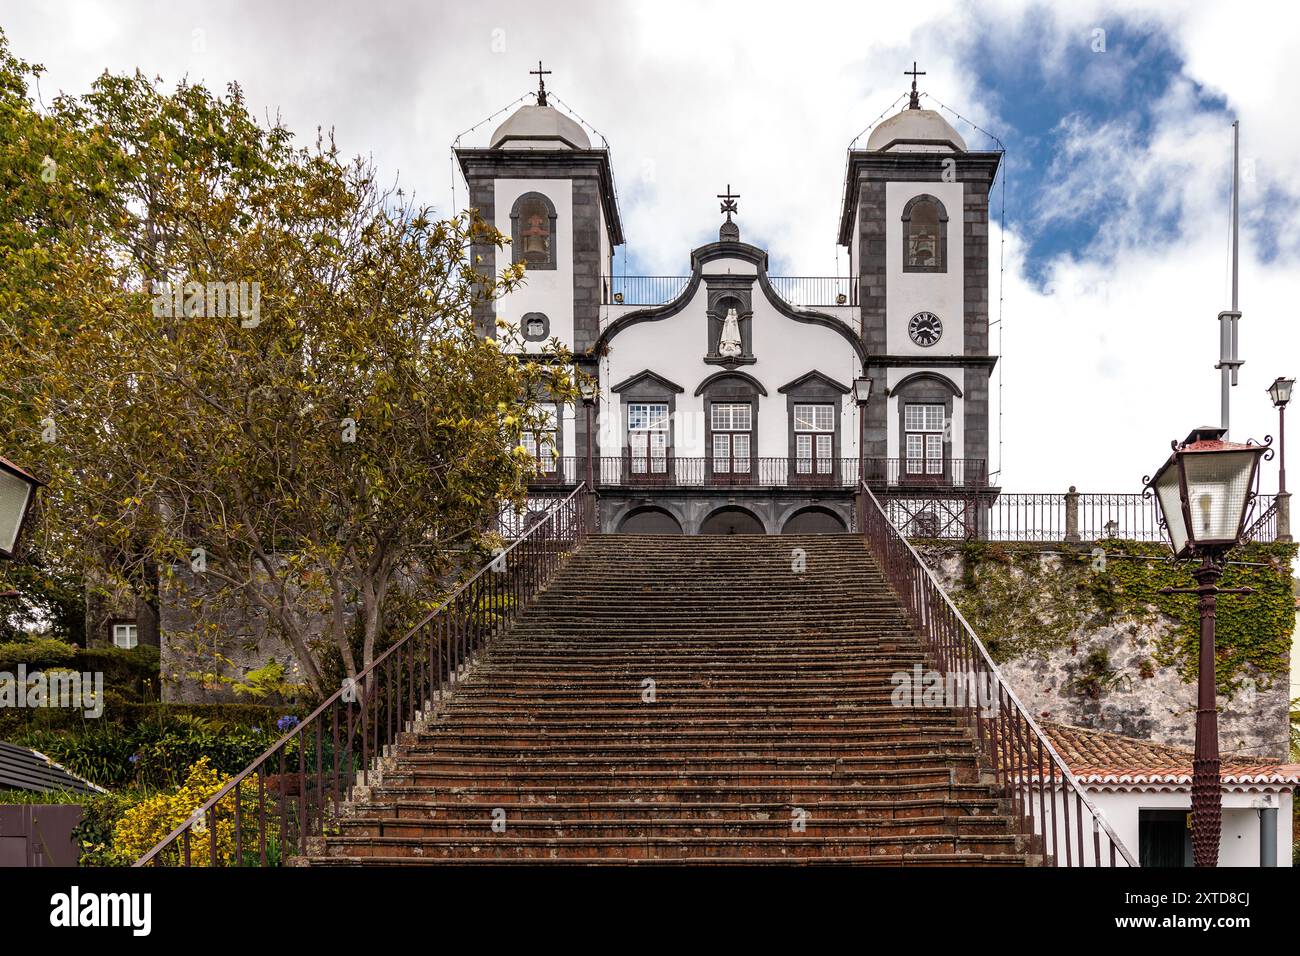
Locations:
(925, 328)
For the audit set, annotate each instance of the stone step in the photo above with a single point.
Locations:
(796, 794)
(888, 808)
(506, 846)
(794, 822)
(911, 859)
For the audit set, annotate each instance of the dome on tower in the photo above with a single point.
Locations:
(916, 130)
(539, 127)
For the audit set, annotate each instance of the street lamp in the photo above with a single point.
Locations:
(588, 389)
(861, 395)
(1280, 393)
(1204, 491)
(17, 493)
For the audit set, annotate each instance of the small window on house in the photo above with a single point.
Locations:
(125, 635)
(732, 427)
(923, 439)
(814, 438)
(542, 443)
(925, 236)
(647, 437)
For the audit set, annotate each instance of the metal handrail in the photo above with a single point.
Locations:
(380, 703)
(1011, 739)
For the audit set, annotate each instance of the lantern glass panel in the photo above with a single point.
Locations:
(1171, 505)
(1218, 484)
(15, 495)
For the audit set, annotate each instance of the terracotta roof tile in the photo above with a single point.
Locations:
(1096, 756)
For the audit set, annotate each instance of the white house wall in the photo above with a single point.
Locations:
(1238, 840)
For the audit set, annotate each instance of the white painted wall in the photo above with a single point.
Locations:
(675, 348)
(907, 293)
(549, 291)
(1239, 836)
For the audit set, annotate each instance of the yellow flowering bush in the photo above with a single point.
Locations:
(153, 818)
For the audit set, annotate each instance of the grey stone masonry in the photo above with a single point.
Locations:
(871, 292)
(975, 239)
(586, 263)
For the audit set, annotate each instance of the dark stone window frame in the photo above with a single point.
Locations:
(814, 388)
(533, 317)
(925, 388)
(942, 240)
(559, 406)
(642, 388)
(516, 233)
(729, 388)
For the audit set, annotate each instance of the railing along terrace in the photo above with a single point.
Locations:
(1074, 516)
(767, 472)
(800, 291)
(292, 793)
(815, 290)
(1264, 527)
(1049, 802)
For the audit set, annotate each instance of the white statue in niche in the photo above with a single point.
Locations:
(729, 344)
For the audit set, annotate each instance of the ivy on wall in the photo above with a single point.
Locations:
(1025, 599)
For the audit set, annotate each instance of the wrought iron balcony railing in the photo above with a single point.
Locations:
(799, 291)
(789, 472)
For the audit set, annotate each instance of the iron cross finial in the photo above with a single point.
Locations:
(729, 202)
(541, 82)
(914, 103)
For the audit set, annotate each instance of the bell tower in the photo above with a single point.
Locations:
(540, 182)
(915, 223)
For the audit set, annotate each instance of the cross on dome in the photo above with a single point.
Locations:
(915, 102)
(541, 82)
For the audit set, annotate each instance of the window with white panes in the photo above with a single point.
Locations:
(814, 438)
(125, 635)
(732, 424)
(923, 427)
(647, 437)
(541, 443)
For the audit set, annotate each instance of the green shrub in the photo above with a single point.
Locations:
(37, 653)
(95, 832)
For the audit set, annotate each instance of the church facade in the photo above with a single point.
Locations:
(730, 400)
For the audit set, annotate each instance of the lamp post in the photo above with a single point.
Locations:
(1204, 490)
(588, 389)
(1280, 393)
(861, 395)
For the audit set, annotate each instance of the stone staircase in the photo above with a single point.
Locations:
(689, 700)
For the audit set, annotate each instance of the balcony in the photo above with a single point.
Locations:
(672, 471)
(803, 292)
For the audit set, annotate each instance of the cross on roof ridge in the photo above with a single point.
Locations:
(729, 202)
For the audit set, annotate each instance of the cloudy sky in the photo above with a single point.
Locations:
(1116, 118)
